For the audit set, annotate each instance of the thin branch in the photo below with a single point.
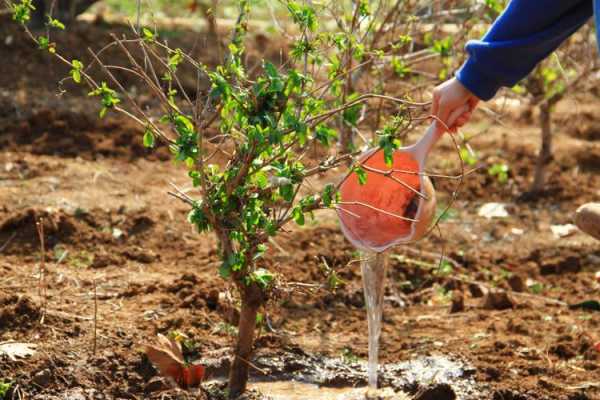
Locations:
(391, 214)
(390, 174)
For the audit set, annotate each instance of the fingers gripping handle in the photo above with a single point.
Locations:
(435, 132)
(456, 114)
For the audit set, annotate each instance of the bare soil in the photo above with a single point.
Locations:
(120, 255)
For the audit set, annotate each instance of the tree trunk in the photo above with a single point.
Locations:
(346, 141)
(38, 16)
(209, 14)
(64, 10)
(545, 153)
(252, 298)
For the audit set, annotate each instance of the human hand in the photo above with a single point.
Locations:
(449, 97)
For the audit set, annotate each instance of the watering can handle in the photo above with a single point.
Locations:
(434, 133)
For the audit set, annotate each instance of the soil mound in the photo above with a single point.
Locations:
(71, 133)
(19, 235)
(17, 312)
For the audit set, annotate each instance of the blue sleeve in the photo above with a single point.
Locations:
(524, 34)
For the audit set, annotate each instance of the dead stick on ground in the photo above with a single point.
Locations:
(262, 371)
(95, 318)
(5, 245)
(42, 281)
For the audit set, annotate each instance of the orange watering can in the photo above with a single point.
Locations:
(397, 203)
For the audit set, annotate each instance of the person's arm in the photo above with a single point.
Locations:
(523, 35)
(526, 33)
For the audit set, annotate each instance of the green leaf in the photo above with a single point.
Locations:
(76, 70)
(328, 195)
(351, 114)
(224, 270)
(443, 46)
(361, 174)
(22, 12)
(303, 15)
(260, 179)
(196, 180)
(148, 35)
(500, 171)
(287, 192)
(4, 387)
(536, 288)
(445, 268)
(388, 143)
(109, 97)
(443, 213)
(183, 124)
(325, 135)
(400, 68)
(233, 263)
(298, 215)
(148, 138)
(198, 218)
(76, 74)
(43, 43)
(271, 70)
(468, 157)
(175, 59)
(262, 277)
(54, 23)
(363, 8)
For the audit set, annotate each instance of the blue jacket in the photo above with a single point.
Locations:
(524, 34)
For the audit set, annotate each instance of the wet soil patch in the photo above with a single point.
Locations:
(76, 134)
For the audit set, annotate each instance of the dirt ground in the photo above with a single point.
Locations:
(117, 247)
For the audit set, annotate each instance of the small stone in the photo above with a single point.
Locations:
(587, 218)
(507, 394)
(117, 233)
(42, 378)
(563, 350)
(441, 391)
(516, 283)
(497, 300)
(578, 396)
(103, 260)
(155, 384)
(141, 255)
(458, 302)
(476, 290)
(561, 265)
(193, 301)
(493, 373)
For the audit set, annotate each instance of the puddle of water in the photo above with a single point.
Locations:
(302, 376)
(294, 390)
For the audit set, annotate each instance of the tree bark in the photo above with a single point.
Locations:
(64, 10)
(211, 21)
(252, 298)
(346, 142)
(545, 153)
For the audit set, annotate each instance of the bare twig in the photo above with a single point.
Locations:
(10, 239)
(95, 318)
(391, 214)
(42, 290)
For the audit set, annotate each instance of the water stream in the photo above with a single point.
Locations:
(373, 266)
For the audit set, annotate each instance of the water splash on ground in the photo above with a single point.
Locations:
(291, 369)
